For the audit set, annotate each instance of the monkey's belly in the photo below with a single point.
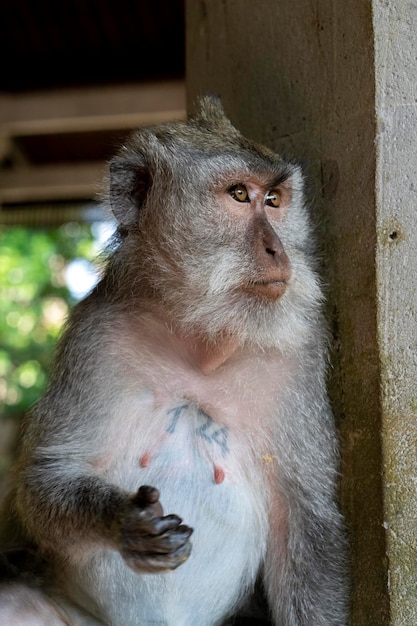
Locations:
(200, 479)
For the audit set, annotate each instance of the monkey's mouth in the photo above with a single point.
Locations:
(272, 289)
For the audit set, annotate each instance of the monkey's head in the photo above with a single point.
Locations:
(215, 230)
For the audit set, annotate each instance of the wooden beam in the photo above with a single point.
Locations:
(76, 110)
(51, 183)
(89, 103)
(79, 124)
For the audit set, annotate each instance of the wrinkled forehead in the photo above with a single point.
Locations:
(207, 168)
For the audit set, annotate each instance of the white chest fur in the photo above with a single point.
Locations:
(204, 441)
(206, 474)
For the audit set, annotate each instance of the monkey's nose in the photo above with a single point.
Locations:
(278, 261)
(271, 241)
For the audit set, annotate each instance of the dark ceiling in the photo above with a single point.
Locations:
(62, 43)
(77, 76)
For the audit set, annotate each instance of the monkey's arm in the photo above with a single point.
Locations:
(58, 504)
(305, 567)
(61, 496)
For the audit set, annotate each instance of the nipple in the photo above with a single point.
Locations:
(218, 474)
(145, 460)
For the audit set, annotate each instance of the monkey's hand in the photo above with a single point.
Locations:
(150, 542)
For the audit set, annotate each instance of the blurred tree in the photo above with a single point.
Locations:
(35, 297)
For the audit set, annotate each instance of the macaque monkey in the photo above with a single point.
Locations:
(191, 378)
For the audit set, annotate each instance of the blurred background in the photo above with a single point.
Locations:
(77, 77)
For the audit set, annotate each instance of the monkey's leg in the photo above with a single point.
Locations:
(25, 606)
(305, 578)
(306, 575)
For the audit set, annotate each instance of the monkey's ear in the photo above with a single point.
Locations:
(130, 180)
(210, 114)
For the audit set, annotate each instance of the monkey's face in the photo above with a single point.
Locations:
(254, 209)
(225, 250)
(217, 231)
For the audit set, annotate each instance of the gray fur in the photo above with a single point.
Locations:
(243, 450)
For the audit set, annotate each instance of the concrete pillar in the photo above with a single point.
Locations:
(395, 32)
(333, 84)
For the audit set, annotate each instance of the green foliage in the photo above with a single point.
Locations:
(34, 302)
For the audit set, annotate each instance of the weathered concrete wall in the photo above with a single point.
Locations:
(308, 78)
(396, 166)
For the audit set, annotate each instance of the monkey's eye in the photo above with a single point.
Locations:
(273, 198)
(239, 193)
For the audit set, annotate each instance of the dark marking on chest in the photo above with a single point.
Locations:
(207, 430)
